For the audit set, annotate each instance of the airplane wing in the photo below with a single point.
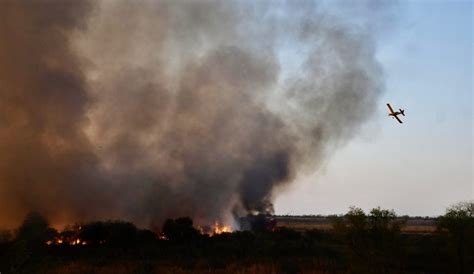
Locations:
(398, 119)
(390, 108)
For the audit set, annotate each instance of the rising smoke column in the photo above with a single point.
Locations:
(158, 109)
(46, 162)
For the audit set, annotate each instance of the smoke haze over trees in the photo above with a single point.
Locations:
(147, 110)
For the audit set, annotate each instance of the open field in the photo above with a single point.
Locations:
(418, 225)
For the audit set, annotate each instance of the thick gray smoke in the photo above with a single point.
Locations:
(46, 160)
(145, 110)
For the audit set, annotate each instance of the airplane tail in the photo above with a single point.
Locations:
(402, 111)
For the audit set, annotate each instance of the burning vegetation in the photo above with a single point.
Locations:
(214, 229)
(192, 108)
(359, 242)
(69, 236)
(219, 229)
(117, 232)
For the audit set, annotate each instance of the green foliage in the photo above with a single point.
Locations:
(458, 218)
(457, 225)
(372, 240)
(357, 218)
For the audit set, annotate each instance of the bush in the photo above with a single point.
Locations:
(180, 230)
(35, 230)
(115, 233)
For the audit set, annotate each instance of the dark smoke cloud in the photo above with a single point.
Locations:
(145, 110)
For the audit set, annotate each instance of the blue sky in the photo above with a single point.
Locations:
(426, 164)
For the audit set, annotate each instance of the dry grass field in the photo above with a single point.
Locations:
(135, 267)
(416, 225)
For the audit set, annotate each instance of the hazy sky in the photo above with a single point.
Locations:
(426, 164)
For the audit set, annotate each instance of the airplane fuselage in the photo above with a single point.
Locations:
(395, 114)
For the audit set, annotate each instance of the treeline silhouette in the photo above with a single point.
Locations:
(358, 243)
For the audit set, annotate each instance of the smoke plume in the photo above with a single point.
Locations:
(145, 110)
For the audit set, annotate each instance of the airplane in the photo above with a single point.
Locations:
(395, 114)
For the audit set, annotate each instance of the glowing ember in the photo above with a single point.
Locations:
(162, 236)
(201, 230)
(67, 241)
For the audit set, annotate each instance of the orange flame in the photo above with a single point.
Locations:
(219, 229)
(67, 240)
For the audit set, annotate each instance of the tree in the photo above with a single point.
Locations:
(383, 227)
(384, 234)
(30, 240)
(180, 229)
(114, 233)
(357, 239)
(35, 230)
(372, 239)
(457, 225)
